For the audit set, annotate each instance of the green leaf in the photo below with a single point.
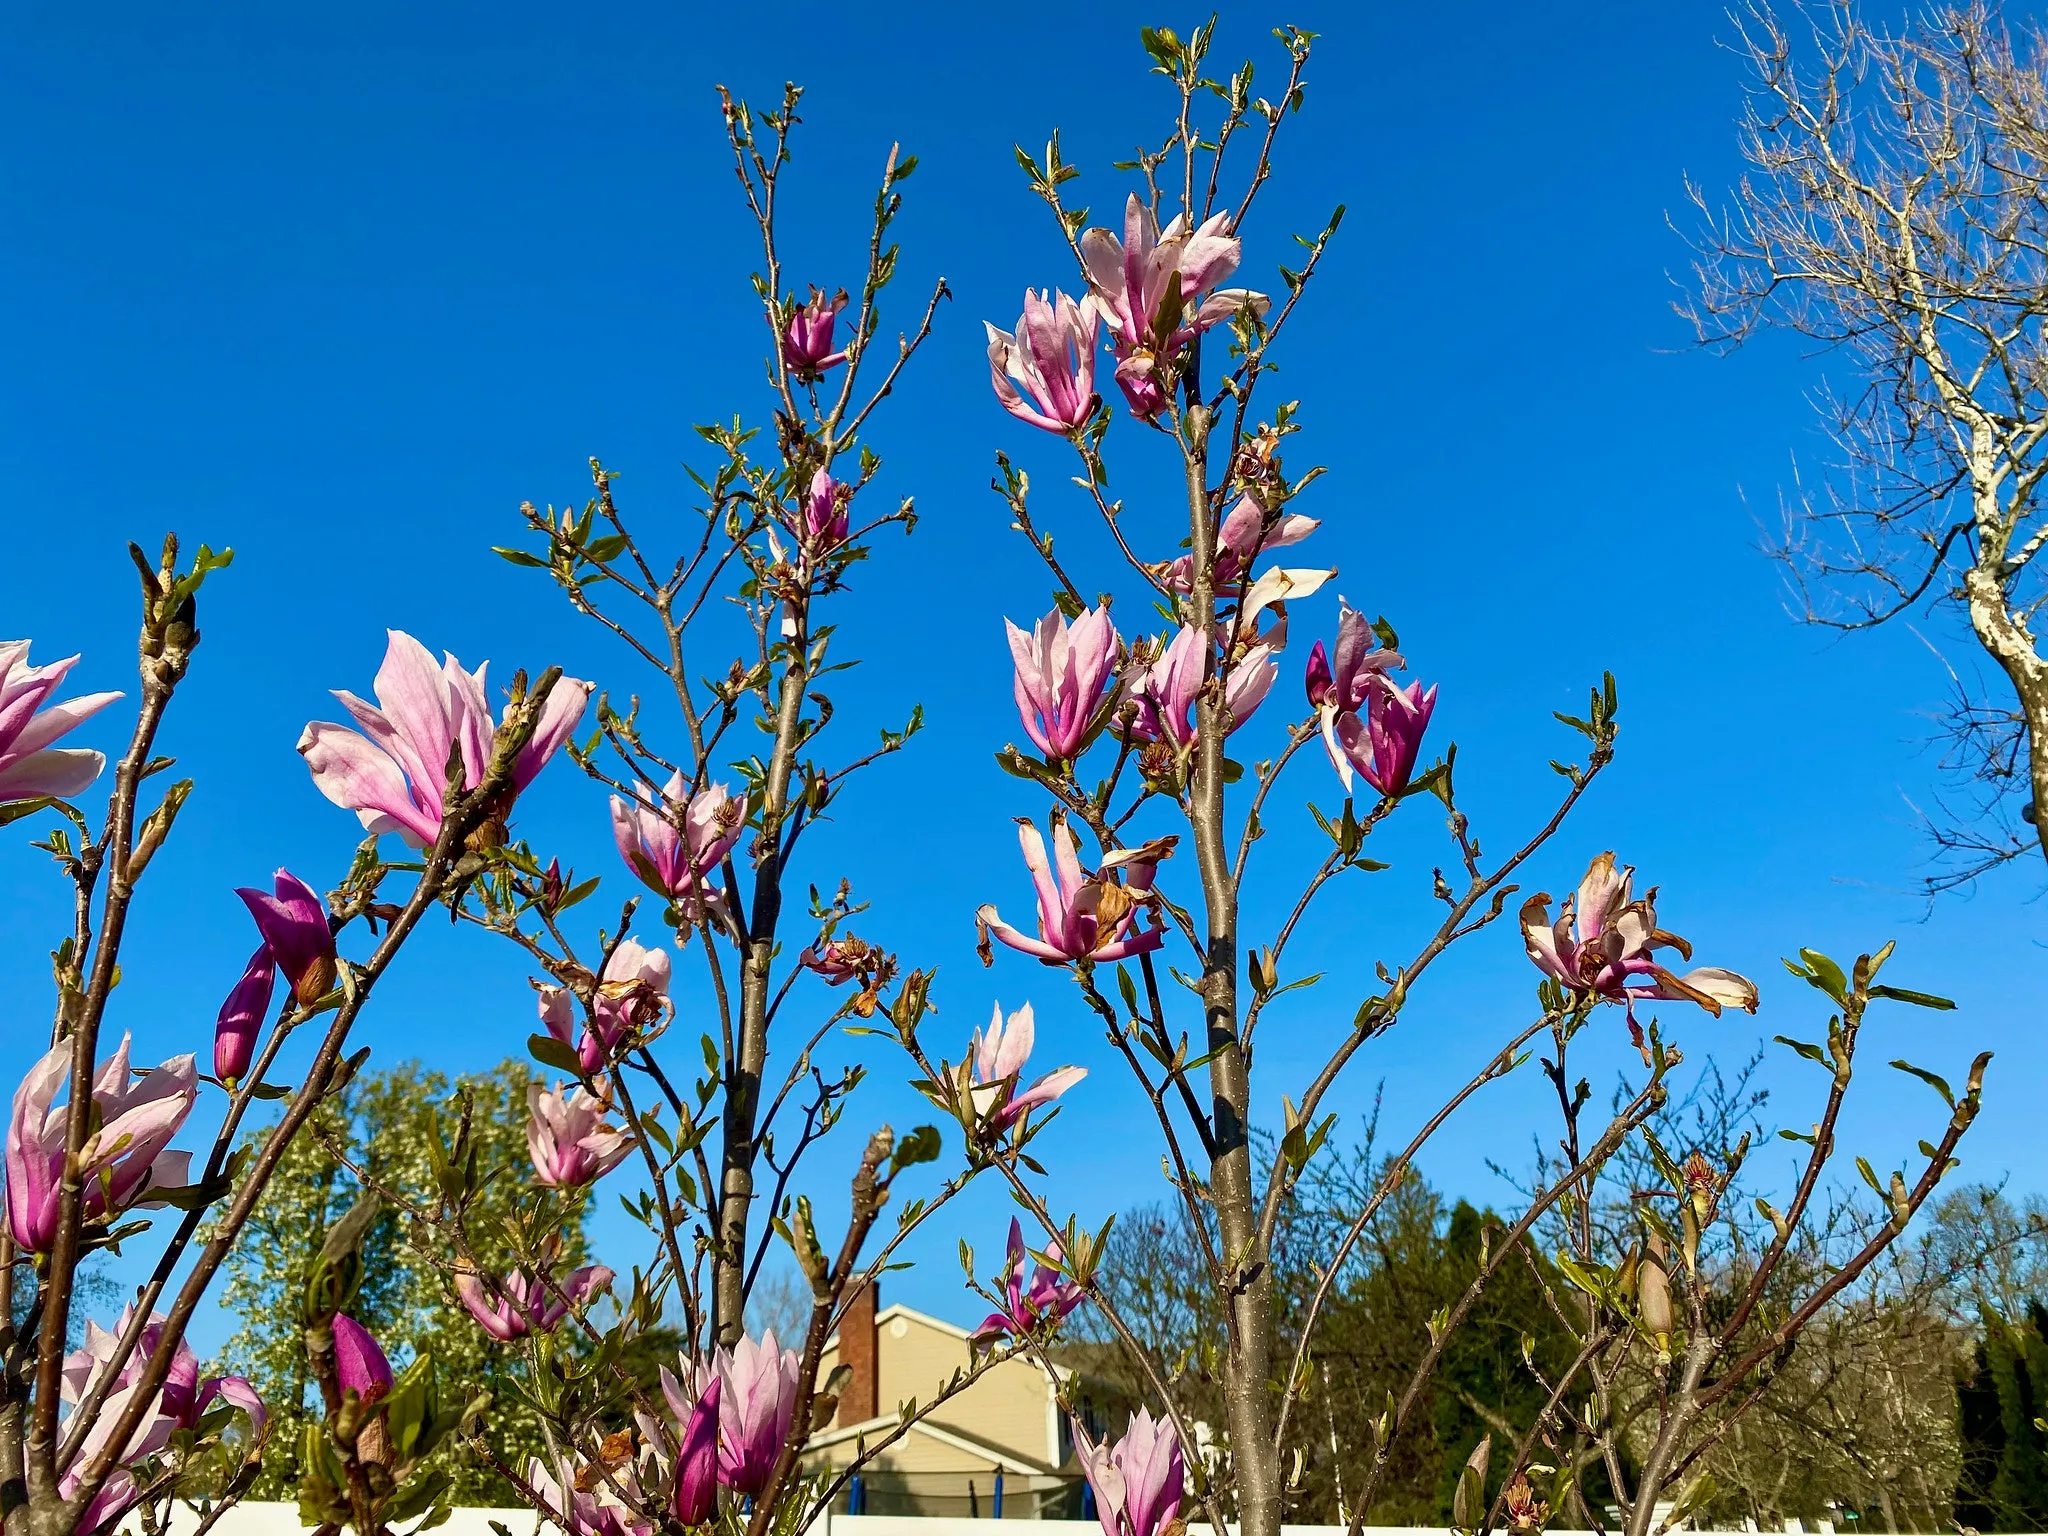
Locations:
(1805, 1048)
(1917, 999)
(519, 557)
(1823, 973)
(14, 810)
(550, 1052)
(922, 1145)
(1938, 1084)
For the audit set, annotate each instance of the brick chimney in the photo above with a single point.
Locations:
(861, 1400)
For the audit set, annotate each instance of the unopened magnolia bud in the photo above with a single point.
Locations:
(1654, 1294)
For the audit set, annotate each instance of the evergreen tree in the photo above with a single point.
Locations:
(2004, 1480)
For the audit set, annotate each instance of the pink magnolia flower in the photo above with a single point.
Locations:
(1604, 943)
(757, 1400)
(1131, 281)
(29, 723)
(1047, 1299)
(1052, 356)
(1139, 1480)
(600, 1512)
(359, 1363)
(524, 1302)
(185, 1395)
(123, 1161)
(1238, 543)
(293, 921)
(696, 1477)
(1367, 723)
(677, 862)
(825, 516)
(1063, 672)
(999, 1055)
(1166, 688)
(807, 339)
(242, 1015)
(178, 1405)
(632, 992)
(1393, 736)
(1081, 916)
(394, 775)
(569, 1139)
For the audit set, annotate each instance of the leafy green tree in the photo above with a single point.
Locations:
(381, 1127)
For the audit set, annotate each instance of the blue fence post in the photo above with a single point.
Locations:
(1087, 1501)
(856, 1496)
(998, 1502)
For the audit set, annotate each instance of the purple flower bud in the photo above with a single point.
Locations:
(807, 340)
(696, 1493)
(359, 1363)
(294, 927)
(242, 1015)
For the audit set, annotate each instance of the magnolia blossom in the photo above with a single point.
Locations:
(524, 1302)
(125, 1159)
(695, 1494)
(757, 1400)
(632, 992)
(293, 921)
(1138, 1480)
(569, 1139)
(1048, 1298)
(1131, 280)
(242, 1015)
(1604, 943)
(1367, 723)
(29, 723)
(599, 1512)
(999, 1055)
(807, 339)
(1166, 689)
(839, 959)
(1393, 736)
(1052, 356)
(395, 775)
(178, 1405)
(1241, 537)
(185, 1395)
(1081, 916)
(1062, 674)
(359, 1363)
(824, 512)
(676, 862)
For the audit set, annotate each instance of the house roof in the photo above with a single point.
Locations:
(1009, 1461)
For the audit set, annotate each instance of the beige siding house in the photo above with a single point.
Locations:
(1002, 1440)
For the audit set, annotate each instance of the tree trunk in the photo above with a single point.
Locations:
(1247, 1393)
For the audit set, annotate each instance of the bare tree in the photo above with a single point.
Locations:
(1897, 213)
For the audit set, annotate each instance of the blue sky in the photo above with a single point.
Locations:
(341, 286)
